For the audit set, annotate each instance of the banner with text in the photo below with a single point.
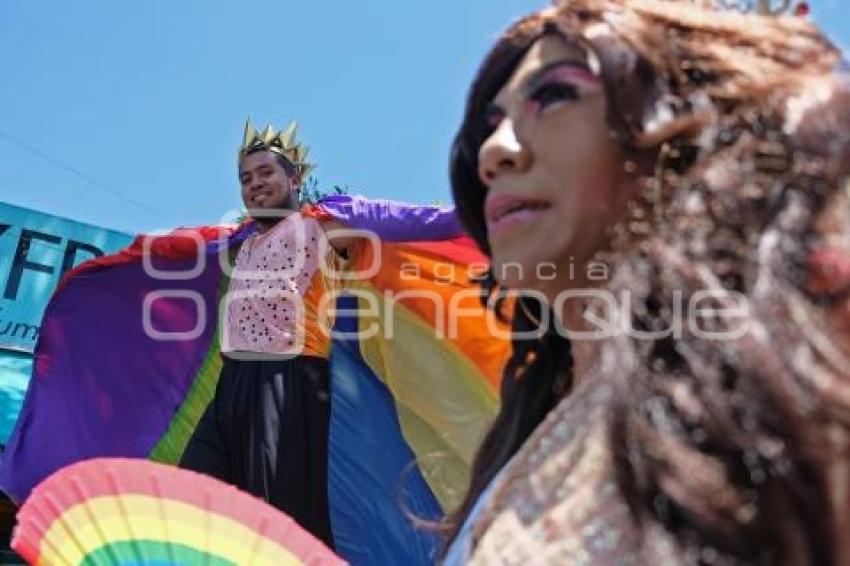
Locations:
(36, 249)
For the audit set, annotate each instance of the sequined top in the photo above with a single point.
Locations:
(274, 303)
(557, 501)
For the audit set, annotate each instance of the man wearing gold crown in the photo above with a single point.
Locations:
(259, 416)
(266, 430)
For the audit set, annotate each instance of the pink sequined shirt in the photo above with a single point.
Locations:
(268, 309)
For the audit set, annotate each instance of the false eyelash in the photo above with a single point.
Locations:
(558, 90)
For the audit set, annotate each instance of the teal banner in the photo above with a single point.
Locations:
(36, 249)
(15, 371)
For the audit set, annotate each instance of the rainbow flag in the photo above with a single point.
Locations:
(414, 369)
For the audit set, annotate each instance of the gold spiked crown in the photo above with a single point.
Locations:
(282, 143)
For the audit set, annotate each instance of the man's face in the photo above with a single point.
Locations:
(265, 184)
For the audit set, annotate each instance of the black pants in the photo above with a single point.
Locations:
(266, 432)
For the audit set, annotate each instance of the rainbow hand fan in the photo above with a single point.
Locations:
(111, 511)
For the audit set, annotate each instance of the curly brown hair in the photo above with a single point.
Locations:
(738, 129)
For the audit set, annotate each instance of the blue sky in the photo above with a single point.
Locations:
(128, 115)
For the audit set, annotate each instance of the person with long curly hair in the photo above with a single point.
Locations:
(665, 185)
